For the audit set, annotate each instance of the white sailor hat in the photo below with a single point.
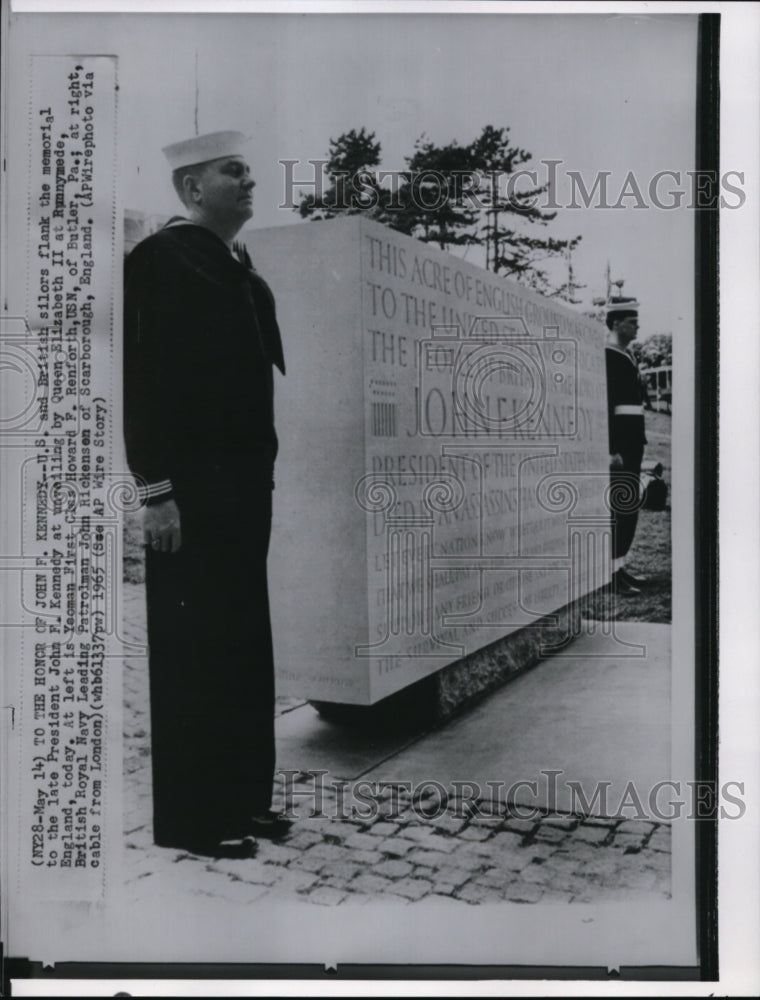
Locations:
(202, 148)
(621, 305)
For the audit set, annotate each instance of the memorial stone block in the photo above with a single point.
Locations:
(442, 478)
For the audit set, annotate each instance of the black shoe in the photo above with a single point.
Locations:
(211, 847)
(621, 586)
(249, 846)
(634, 581)
(270, 826)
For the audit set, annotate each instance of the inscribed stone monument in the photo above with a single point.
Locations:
(442, 477)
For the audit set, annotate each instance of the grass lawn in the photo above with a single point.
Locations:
(650, 555)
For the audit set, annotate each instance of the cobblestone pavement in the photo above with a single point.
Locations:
(462, 856)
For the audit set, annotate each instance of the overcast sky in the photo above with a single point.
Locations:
(599, 92)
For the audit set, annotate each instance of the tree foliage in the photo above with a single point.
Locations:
(432, 196)
(511, 196)
(352, 186)
(654, 352)
(452, 195)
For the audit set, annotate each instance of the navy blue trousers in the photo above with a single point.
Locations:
(211, 661)
(625, 502)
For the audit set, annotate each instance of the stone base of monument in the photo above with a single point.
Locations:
(458, 686)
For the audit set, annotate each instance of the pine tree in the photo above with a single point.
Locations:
(512, 194)
(567, 291)
(352, 184)
(433, 196)
(452, 195)
(461, 195)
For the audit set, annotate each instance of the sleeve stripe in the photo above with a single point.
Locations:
(152, 490)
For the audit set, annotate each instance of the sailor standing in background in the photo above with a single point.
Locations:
(625, 401)
(201, 340)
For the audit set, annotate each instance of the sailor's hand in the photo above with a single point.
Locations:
(161, 526)
(616, 463)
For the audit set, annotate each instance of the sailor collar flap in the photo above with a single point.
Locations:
(197, 251)
(209, 259)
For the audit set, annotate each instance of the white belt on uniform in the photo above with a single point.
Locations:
(629, 411)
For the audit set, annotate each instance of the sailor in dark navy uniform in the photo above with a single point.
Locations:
(201, 341)
(625, 400)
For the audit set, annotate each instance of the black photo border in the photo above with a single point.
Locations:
(707, 331)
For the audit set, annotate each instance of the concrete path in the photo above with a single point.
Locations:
(602, 721)
(594, 718)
